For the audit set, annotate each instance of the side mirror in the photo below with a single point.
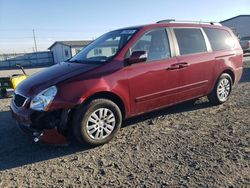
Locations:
(137, 57)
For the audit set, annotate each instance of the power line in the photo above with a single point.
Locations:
(49, 37)
(15, 37)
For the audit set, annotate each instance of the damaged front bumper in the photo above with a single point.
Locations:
(37, 121)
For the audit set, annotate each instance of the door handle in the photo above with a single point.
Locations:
(183, 65)
(178, 66)
(173, 67)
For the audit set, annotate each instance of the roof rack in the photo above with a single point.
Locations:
(186, 21)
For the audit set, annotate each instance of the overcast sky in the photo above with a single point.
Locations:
(55, 20)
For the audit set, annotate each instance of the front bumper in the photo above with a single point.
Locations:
(21, 114)
(39, 120)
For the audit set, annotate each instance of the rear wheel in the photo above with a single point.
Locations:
(97, 122)
(222, 89)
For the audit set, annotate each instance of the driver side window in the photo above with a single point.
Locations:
(155, 43)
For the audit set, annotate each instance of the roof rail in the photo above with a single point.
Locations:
(186, 21)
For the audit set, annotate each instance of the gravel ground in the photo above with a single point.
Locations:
(188, 145)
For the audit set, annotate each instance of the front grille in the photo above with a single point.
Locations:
(19, 100)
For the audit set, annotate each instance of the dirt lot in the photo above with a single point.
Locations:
(189, 145)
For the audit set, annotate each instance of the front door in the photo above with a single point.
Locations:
(154, 83)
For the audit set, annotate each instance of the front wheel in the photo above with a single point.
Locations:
(97, 122)
(222, 89)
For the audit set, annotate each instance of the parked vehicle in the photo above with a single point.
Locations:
(128, 72)
(245, 44)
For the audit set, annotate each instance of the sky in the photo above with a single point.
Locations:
(55, 20)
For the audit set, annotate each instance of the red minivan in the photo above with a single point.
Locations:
(127, 72)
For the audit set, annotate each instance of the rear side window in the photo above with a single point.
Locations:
(219, 39)
(190, 40)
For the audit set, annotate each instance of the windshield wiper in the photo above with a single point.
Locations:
(85, 61)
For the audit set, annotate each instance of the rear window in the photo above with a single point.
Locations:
(190, 40)
(219, 39)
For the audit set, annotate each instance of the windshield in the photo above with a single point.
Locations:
(104, 48)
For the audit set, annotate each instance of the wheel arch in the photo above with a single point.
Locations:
(215, 80)
(111, 96)
(231, 73)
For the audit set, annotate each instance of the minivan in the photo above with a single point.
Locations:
(128, 72)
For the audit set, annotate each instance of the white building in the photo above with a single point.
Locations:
(63, 50)
(239, 24)
(107, 49)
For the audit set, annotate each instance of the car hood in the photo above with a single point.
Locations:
(51, 76)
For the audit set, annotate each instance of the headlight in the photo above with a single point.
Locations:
(41, 101)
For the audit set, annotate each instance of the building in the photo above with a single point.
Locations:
(239, 24)
(63, 50)
(108, 48)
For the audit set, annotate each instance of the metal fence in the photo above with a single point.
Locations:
(36, 59)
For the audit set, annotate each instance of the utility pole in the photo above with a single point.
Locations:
(34, 36)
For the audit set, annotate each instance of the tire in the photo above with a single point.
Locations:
(99, 118)
(222, 90)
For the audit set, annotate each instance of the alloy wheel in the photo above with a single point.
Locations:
(101, 123)
(223, 89)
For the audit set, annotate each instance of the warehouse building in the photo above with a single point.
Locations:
(63, 50)
(239, 24)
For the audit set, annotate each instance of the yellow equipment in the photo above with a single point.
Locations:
(17, 79)
(9, 84)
